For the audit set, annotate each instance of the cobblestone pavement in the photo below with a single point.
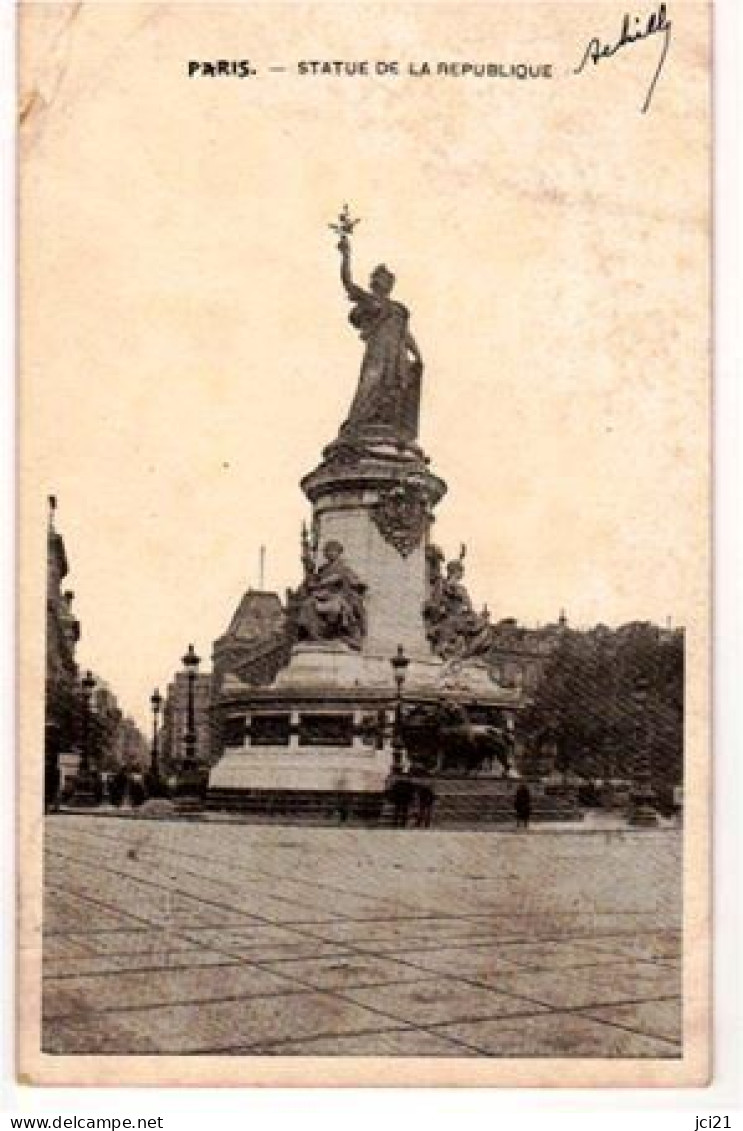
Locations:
(190, 937)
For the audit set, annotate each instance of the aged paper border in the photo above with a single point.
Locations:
(693, 1069)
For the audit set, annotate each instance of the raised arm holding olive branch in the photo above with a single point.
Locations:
(388, 392)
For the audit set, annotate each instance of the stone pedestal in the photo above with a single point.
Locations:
(324, 726)
(379, 506)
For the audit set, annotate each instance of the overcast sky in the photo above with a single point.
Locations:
(185, 348)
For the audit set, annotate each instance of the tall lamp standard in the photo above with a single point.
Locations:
(399, 669)
(191, 663)
(88, 685)
(84, 791)
(156, 700)
(642, 812)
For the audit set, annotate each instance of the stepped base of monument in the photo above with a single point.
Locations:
(326, 770)
(301, 805)
(491, 801)
(460, 802)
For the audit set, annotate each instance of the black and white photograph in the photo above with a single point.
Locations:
(364, 468)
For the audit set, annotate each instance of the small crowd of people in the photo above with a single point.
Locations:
(408, 795)
(122, 788)
(412, 800)
(128, 787)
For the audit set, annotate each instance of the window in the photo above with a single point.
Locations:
(269, 730)
(234, 731)
(326, 730)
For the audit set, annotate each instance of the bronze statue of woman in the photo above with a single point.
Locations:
(387, 398)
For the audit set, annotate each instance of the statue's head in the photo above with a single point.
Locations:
(455, 570)
(382, 281)
(332, 550)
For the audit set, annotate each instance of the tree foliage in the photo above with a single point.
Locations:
(605, 693)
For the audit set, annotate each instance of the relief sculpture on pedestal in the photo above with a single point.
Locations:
(402, 515)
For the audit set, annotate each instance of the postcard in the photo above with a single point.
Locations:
(364, 461)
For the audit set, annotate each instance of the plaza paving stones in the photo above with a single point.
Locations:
(651, 946)
(563, 989)
(346, 970)
(557, 1034)
(435, 1001)
(233, 1024)
(391, 1042)
(64, 947)
(659, 1018)
(283, 952)
(205, 938)
(133, 989)
(554, 955)
(140, 941)
(469, 963)
(158, 960)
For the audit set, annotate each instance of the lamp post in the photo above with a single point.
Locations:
(191, 663)
(399, 668)
(84, 790)
(642, 812)
(88, 685)
(156, 700)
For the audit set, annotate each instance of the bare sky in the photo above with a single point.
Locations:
(185, 349)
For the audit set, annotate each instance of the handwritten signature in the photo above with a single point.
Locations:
(654, 24)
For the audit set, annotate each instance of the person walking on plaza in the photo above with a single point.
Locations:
(117, 787)
(137, 794)
(401, 793)
(98, 788)
(522, 805)
(426, 799)
(344, 809)
(52, 783)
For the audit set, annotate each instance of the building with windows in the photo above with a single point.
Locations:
(113, 739)
(175, 722)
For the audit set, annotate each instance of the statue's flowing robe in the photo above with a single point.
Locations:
(388, 393)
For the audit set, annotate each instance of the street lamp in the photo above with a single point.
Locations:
(88, 685)
(84, 790)
(156, 700)
(642, 812)
(399, 668)
(191, 663)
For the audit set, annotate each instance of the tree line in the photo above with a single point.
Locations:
(606, 694)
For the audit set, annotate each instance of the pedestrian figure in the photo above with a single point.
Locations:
(52, 781)
(401, 795)
(117, 787)
(154, 785)
(426, 799)
(136, 791)
(98, 789)
(522, 805)
(343, 809)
